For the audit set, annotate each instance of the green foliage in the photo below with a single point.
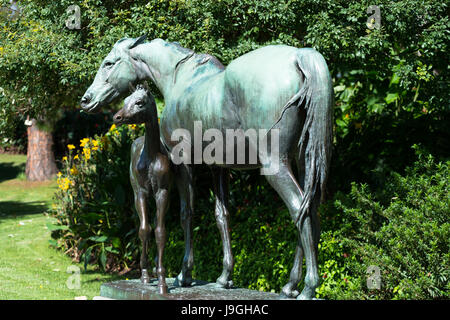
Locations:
(94, 205)
(404, 229)
(12, 131)
(74, 125)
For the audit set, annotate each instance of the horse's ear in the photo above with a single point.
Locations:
(138, 41)
(146, 87)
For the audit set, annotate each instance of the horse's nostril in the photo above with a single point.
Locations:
(85, 99)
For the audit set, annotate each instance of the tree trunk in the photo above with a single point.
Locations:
(41, 163)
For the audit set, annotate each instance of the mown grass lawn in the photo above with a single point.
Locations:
(29, 267)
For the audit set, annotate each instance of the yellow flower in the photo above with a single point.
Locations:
(113, 127)
(64, 159)
(71, 146)
(84, 142)
(87, 153)
(59, 174)
(74, 170)
(76, 157)
(94, 145)
(132, 126)
(104, 142)
(64, 184)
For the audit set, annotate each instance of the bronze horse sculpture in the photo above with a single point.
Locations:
(150, 175)
(275, 87)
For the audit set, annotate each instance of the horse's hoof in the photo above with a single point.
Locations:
(162, 289)
(288, 292)
(181, 281)
(290, 295)
(307, 294)
(225, 284)
(144, 277)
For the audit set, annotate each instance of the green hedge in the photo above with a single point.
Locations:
(403, 229)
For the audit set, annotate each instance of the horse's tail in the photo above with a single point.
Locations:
(315, 142)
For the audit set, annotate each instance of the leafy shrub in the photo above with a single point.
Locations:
(73, 125)
(93, 207)
(404, 230)
(13, 132)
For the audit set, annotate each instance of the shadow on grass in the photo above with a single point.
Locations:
(10, 170)
(109, 276)
(14, 209)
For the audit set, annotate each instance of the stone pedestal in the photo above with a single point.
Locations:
(200, 290)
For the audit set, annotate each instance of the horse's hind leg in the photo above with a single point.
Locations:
(287, 187)
(141, 199)
(290, 289)
(289, 190)
(301, 178)
(309, 244)
(221, 180)
(310, 231)
(184, 180)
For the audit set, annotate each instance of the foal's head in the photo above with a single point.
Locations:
(138, 108)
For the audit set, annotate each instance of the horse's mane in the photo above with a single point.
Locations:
(201, 58)
(177, 46)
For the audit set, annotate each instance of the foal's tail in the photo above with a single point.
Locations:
(316, 138)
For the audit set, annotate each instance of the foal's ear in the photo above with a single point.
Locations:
(138, 41)
(146, 87)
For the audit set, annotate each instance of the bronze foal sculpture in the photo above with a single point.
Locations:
(150, 175)
(274, 87)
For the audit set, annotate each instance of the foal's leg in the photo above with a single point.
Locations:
(162, 201)
(221, 181)
(141, 200)
(184, 180)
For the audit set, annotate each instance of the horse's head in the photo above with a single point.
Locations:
(138, 107)
(116, 73)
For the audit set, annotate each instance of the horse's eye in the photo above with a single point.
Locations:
(108, 64)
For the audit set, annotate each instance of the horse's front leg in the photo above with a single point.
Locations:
(185, 185)
(141, 200)
(221, 182)
(162, 201)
